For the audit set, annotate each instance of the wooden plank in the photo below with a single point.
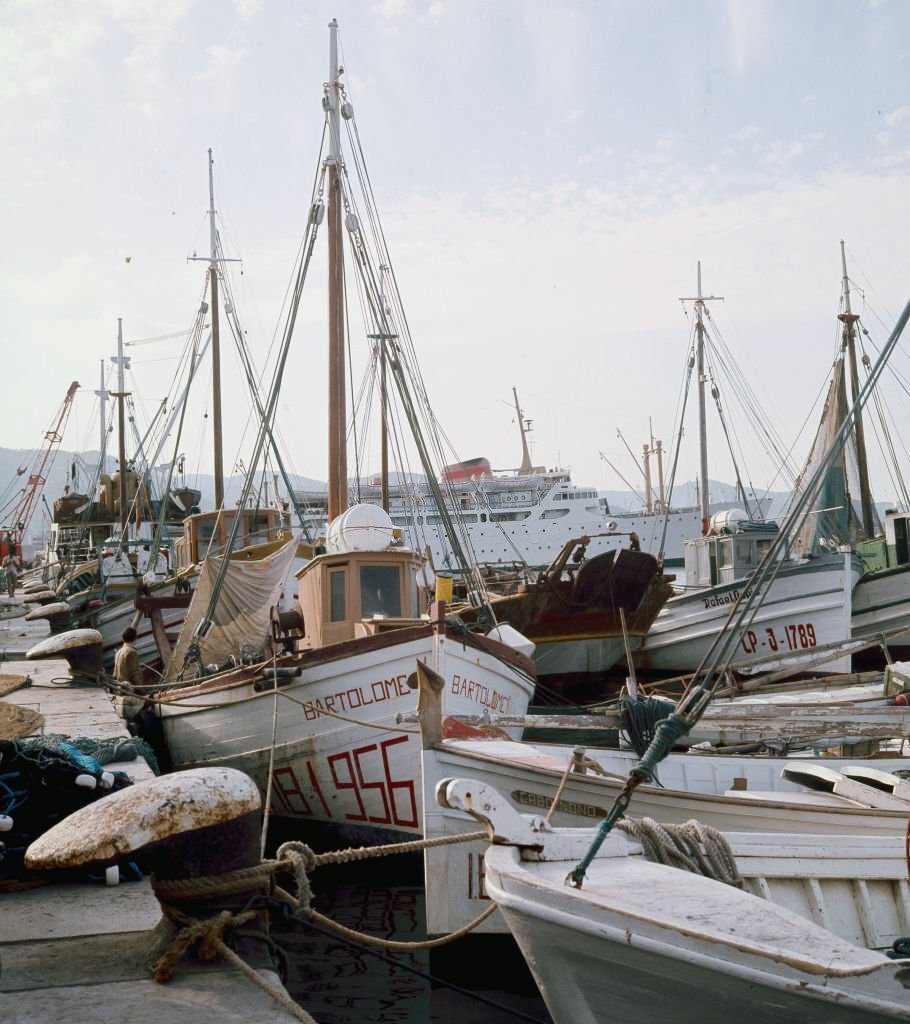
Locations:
(737, 723)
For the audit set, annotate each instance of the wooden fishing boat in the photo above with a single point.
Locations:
(807, 603)
(583, 615)
(314, 724)
(819, 796)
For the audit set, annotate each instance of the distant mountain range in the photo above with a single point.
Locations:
(62, 473)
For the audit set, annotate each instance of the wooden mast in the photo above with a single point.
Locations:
(122, 363)
(383, 387)
(338, 469)
(848, 318)
(216, 345)
(213, 259)
(704, 497)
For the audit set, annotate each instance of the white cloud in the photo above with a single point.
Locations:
(748, 24)
(247, 9)
(220, 58)
(667, 141)
(391, 10)
(749, 131)
(574, 116)
(39, 50)
(896, 117)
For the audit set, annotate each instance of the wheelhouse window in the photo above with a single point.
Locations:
(725, 553)
(744, 552)
(380, 591)
(258, 527)
(336, 595)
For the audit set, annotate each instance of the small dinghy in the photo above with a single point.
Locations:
(636, 941)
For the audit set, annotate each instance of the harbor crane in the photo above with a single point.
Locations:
(17, 513)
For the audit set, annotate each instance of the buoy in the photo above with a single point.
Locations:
(902, 700)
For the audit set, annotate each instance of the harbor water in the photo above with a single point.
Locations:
(342, 981)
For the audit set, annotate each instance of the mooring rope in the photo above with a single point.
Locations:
(296, 859)
(691, 846)
(208, 934)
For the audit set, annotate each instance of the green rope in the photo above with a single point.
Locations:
(668, 731)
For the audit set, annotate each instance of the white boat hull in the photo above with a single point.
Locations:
(360, 772)
(806, 606)
(881, 605)
(703, 788)
(644, 942)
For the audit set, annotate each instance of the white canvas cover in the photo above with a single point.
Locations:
(241, 615)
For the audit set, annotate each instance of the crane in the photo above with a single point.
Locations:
(18, 515)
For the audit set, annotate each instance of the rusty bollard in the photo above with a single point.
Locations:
(187, 829)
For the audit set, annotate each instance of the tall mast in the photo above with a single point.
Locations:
(384, 432)
(662, 497)
(122, 362)
(525, 466)
(848, 318)
(704, 497)
(649, 493)
(338, 464)
(102, 394)
(213, 260)
(216, 346)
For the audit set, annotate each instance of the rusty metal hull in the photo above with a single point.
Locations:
(577, 621)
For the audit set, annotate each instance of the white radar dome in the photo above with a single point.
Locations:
(728, 519)
(361, 528)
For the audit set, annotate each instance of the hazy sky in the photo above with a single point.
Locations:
(548, 175)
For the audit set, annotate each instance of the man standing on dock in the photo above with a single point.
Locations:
(11, 572)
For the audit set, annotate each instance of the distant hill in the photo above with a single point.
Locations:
(62, 473)
(686, 495)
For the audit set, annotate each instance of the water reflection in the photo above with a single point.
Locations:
(341, 982)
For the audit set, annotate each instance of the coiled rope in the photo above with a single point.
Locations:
(690, 846)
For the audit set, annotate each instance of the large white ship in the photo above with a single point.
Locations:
(526, 515)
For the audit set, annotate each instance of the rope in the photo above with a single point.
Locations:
(575, 762)
(690, 846)
(401, 947)
(209, 937)
(114, 686)
(298, 860)
(267, 808)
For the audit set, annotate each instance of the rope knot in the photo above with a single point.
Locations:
(299, 860)
(207, 935)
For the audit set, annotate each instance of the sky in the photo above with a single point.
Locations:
(548, 176)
